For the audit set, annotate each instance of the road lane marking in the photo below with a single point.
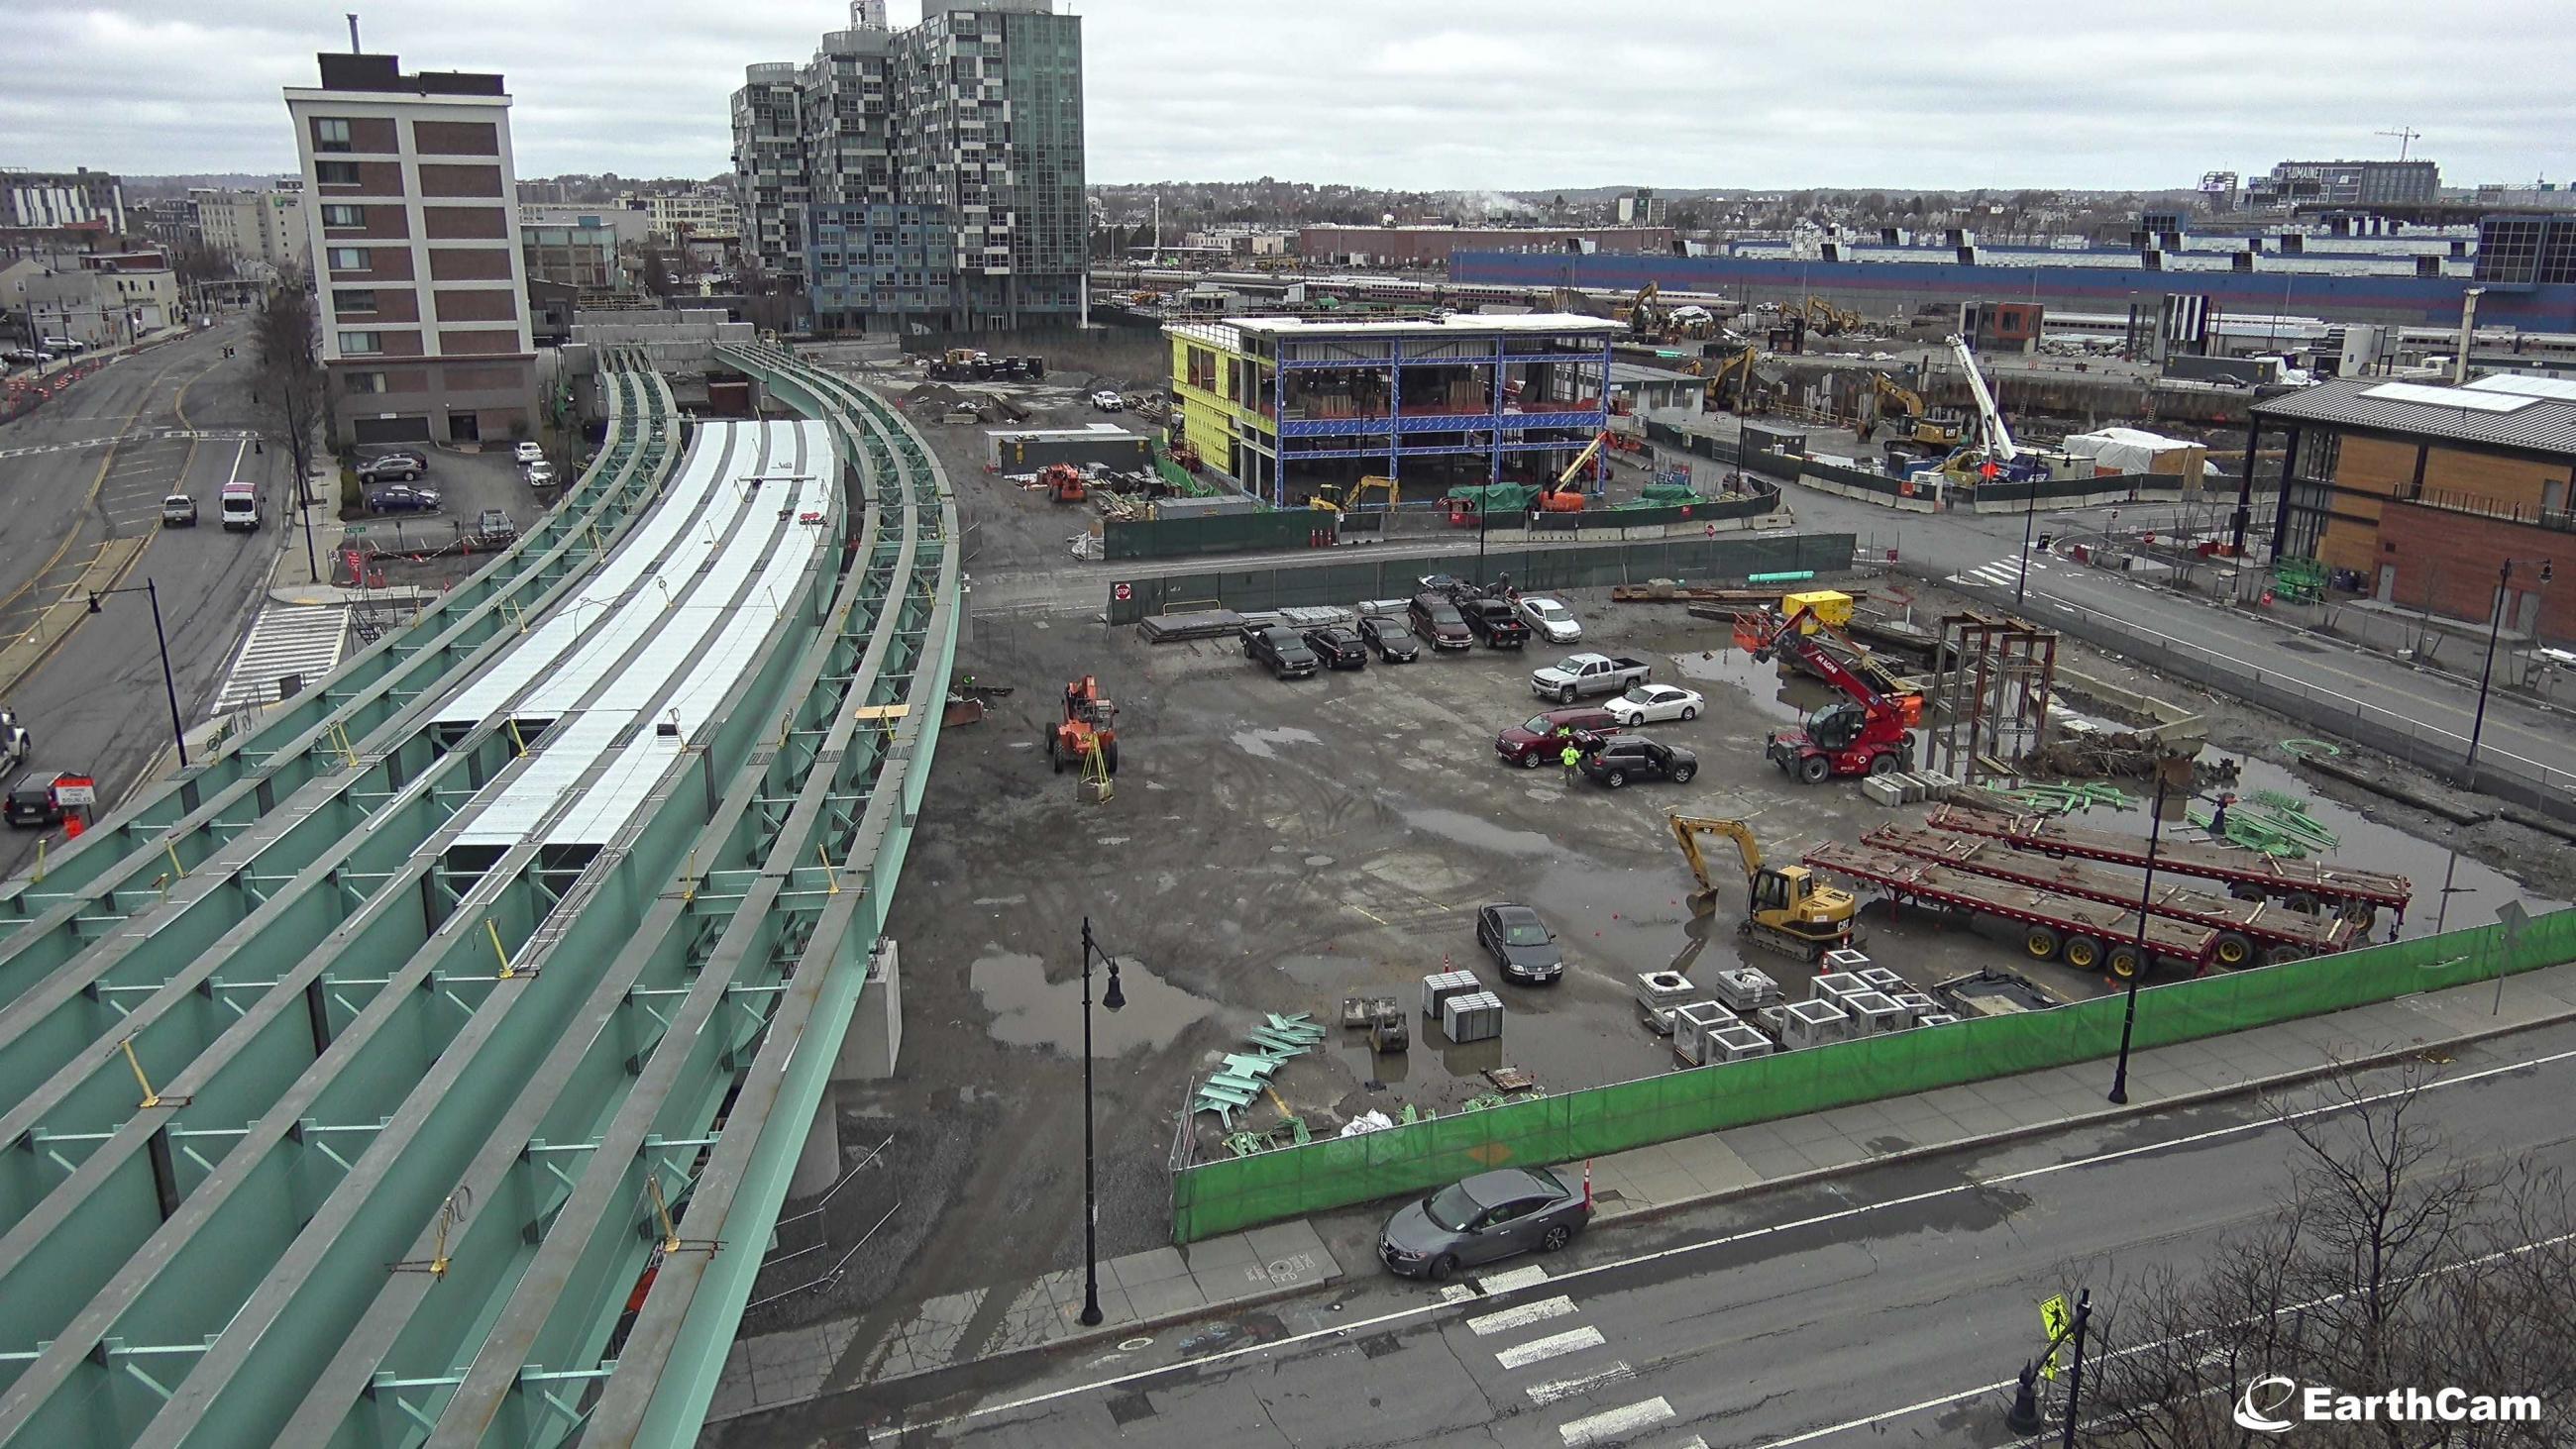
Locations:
(1512, 1280)
(1555, 1345)
(1616, 1425)
(1973, 1185)
(1521, 1317)
(1557, 1389)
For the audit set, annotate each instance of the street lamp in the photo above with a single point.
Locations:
(2029, 519)
(2495, 627)
(1113, 999)
(169, 685)
(2171, 769)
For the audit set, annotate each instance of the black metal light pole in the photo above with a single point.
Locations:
(2029, 520)
(169, 684)
(1113, 999)
(2165, 768)
(2075, 1376)
(2495, 627)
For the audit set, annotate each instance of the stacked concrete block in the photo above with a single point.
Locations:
(1814, 1023)
(1844, 960)
(1876, 1013)
(1734, 1044)
(1882, 979)
(1773, 1019)
(1937, 1018)
(1917, 1005)
(1658, 992)
(1883, 790)
(1836, 985)
(1471, 1016)
(1439, 986)
(1936, 785)
(1693, 1022)
(1745, 990)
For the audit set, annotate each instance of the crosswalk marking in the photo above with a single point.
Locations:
(298, 639)
(1617, 1424)
(1555, 1345)
(1555, 1389)
(1513, 1278)
(1523, 1316)
(2002, 573)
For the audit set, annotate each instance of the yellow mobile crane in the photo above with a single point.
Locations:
(1785, 908)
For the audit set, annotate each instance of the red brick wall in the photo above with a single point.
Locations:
(2453, 558)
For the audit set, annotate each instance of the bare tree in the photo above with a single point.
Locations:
(2389, 1264)
(288, 384)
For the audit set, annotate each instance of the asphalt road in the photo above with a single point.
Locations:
(1890, 1306)
(98, 702)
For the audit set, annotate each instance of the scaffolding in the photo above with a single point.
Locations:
(1988, 706)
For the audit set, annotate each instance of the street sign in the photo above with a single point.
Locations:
(71, 790)
(1122, 592)
(2059, 1321)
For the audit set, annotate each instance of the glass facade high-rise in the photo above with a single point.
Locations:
(935, 175)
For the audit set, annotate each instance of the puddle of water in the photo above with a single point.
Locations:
(1366, 1065)
(1260, 743)
(1342, 973)
(1030, 1010)
(1477, 833)
(1775, 692)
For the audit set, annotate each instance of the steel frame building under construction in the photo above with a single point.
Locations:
(429, 1064)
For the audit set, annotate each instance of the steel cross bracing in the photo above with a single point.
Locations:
(405, 1130)
(801, 949)
(368, 794)
(173, 831)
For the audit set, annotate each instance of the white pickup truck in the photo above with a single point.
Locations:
(1578, 675)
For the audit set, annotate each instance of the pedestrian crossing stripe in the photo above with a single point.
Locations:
(2002, 573)
(298, 639)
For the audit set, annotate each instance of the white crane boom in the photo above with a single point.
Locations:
(1998, 438)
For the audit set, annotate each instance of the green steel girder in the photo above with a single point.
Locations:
(44, 915)
(303, 1309)
(666, 1371)
(176, 955)
(558, 1310)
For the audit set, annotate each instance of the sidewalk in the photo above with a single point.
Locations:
(1177, 1284)
(1159, 1285)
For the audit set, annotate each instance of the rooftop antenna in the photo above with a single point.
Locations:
(2404, 135)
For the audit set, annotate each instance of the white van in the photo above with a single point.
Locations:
(241, 506)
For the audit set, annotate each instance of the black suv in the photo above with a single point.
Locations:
(1338, 645)
(1634, 757)
(1393, 641)
(1493, 621)
(1438, 620)
(1278, 647)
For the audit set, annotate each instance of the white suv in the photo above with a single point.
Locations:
(1108, 402)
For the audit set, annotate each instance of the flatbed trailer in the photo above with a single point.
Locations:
(2301, 884)
(2087, 935)
(2247, 930)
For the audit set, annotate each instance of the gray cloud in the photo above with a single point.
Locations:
(1504, 94)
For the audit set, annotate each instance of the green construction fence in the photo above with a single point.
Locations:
(1227, 1195)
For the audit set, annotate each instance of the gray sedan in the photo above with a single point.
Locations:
(1491, 1215)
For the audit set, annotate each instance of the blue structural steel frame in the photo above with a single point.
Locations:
(1494, 422)
(395, 1144)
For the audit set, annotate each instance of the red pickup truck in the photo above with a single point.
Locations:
(1541, 739)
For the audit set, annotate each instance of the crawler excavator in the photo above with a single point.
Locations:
(1785, 908)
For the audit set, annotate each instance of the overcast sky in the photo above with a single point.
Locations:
(1499, 94)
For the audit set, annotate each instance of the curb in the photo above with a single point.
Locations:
(1105, 1333)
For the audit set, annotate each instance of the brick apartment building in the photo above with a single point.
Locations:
(413, 215)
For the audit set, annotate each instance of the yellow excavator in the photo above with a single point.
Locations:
(1786, 908)
(1730, 382)
(1334, 497)
(1935, 427)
